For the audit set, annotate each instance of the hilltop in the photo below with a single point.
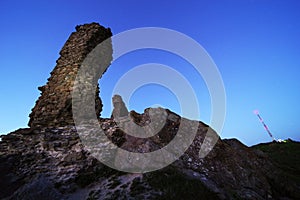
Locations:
(51, 158)
(284, 156)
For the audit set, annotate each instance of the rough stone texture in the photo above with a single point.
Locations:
(52, 163)
(54, 106)
(120, 109)
(49, 160)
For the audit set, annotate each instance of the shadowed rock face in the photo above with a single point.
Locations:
(52, 163)
(49, 160)
(120, 109)
(54, 106)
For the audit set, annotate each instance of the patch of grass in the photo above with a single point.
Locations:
(175, 185)
(85, 179)
(88, 176)
(137, 187)
(285, 156)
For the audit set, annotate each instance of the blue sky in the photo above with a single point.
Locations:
(254, 43)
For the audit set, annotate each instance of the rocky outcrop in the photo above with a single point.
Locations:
(120, 109)
(50, 161)
(54, 106)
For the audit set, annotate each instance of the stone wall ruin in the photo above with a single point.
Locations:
(54, 106)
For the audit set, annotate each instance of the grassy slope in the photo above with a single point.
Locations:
(286, 156)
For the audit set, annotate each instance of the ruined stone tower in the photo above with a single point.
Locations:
(54, 106)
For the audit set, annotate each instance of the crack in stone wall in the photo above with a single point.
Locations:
(54, 106)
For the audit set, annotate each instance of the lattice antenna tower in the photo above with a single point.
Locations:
(256, 112)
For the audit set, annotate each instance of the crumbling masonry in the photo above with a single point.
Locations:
(54, 106)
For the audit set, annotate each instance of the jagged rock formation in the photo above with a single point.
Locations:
(49, 161)
(120, 109)
(52, 163)
(54, 106)
(55, 161)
